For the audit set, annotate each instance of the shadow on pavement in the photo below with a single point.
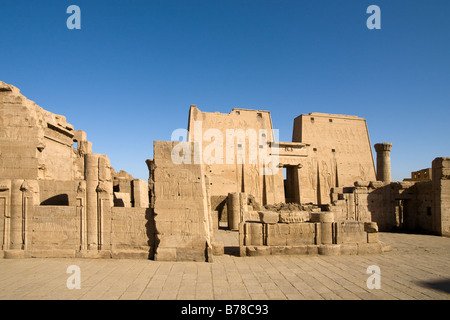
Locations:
(441, 285)
(231, 250)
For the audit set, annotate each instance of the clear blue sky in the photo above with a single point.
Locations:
(130, 74)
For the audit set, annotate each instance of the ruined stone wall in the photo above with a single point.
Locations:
(340, 153)
(181, 207)
(54, 231)
(35, 143)
(417, 206)
(28, 229)
(419, 212)
(130, 233)
(325, 237)
(57, 200)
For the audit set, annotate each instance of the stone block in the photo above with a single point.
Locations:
(268, 217)
(337, 190)
(277, 250)
(330, 250)
(301, 228)
(14, 254)
(369, 248)
(377, 184)
(276, 240)
(242, 234)
(353, 232)
(283, 229)
(166, 254)
(140, 193)
(315, 216)
(242, 251)
(312, 249)
(252, 216)
(182, 241)
(322, 216)
(370, 227)
(253, 251)
(215, 219)
(93, 254)
(372, 238)
(196, 253)
(254, 228)
(122, 199)
(129, 254)
(294, 217)
(255, 240)
(217, 248)
(362, 184)
(296, 250)
(349, 249)
(305, 239)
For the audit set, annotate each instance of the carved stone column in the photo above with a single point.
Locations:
(16, 240)
(383, 161)
(91, 176)
(81, 212)
(5, 214)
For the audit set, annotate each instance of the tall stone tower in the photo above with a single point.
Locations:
(383, 161)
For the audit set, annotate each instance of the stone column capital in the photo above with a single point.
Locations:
(386, 146)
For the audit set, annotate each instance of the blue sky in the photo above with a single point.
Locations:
(129, 75)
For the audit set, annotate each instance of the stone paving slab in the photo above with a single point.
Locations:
(418, 267)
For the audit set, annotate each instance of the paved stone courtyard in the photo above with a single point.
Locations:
(417, 267)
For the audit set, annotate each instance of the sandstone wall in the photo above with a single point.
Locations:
(130, 232)
(181, 207)
(238, 176)
(328, 238)
(35, 143)
(340, 153)
(417, 206)
(57, 200)
(55, 231)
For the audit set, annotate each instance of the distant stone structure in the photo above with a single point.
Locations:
(421, 175)
(319, 194)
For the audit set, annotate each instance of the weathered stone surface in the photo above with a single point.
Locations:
(370, 227)
(322, 216)
(253, 251)
(296, 250)
(362, 184)
(268, 217)
(372, 238)
(56, 194)
(337, 143)
(349, 249)
(370, 248)
(294, 217)
(217, 248)
(330, 250)
(182, 219)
